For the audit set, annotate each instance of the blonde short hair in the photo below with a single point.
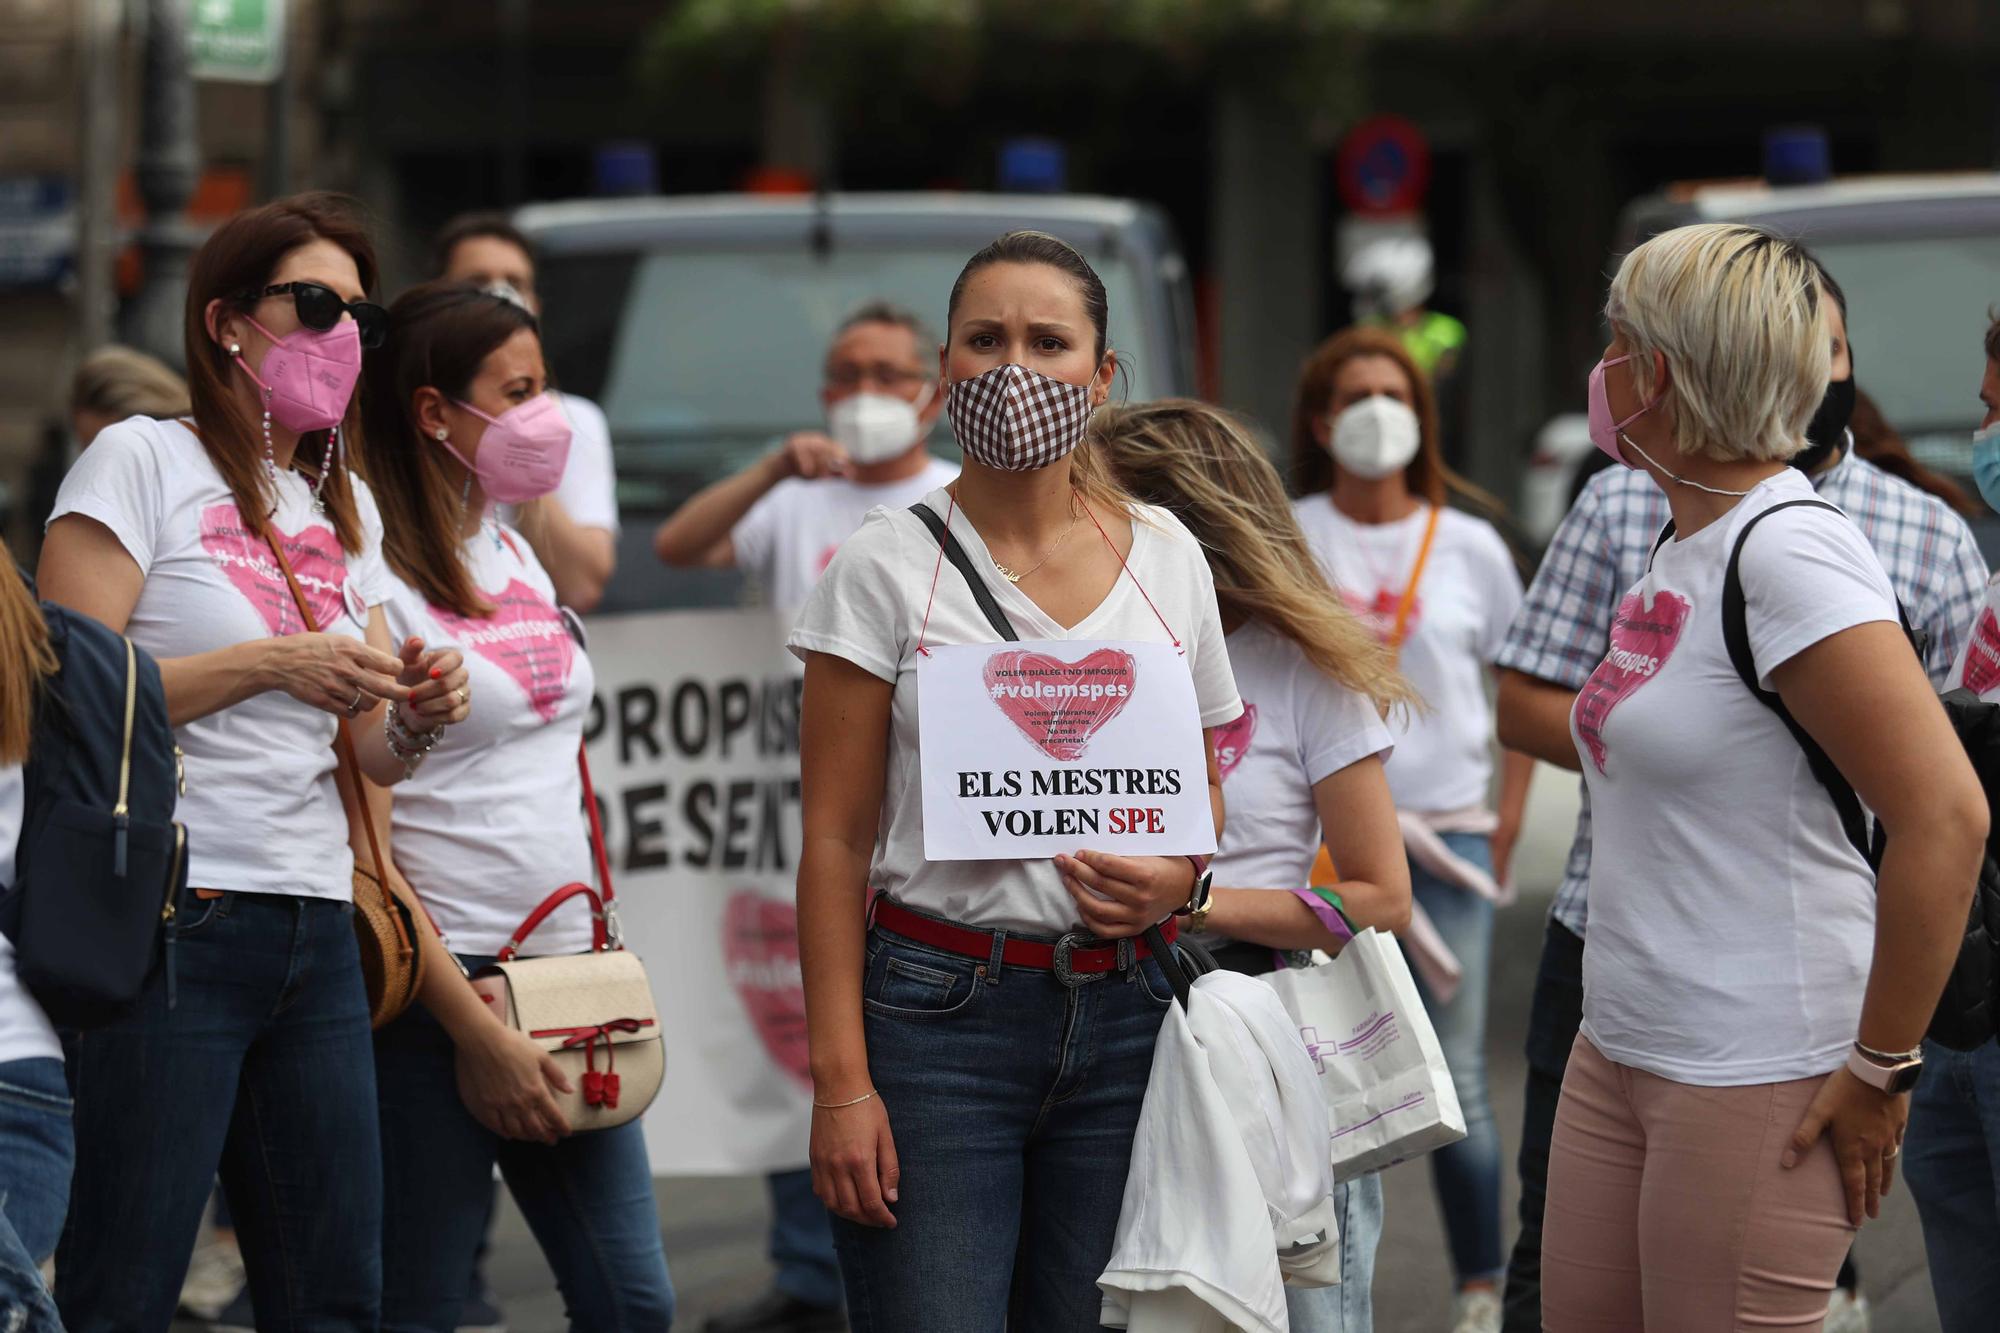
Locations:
(1740, 316)
(120, 382)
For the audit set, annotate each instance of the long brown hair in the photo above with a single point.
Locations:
(1883, 445)
(1428, 477)
(439, 335)
(25, 661)
(235, 261)
(1203, 465)
(1088, 474)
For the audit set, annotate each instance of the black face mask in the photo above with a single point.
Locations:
(1827, 430)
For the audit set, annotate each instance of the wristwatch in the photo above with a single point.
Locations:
(1890, 1072)
(1203, 896)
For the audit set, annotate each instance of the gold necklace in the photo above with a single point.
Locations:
(1047, 555)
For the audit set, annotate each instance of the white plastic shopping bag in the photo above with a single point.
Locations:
(1380, 1067)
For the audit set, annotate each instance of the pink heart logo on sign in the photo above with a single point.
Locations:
(1232, 740)
(314, 554)
(526, 637)
(1060, 705)
(1982, 657)
(760, 949)
(1642, 639)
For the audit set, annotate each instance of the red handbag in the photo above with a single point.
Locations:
(593, 1011)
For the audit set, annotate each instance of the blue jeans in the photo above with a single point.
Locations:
(1349, 1307)
(35, 1157)
(802, 1241)
(1951, 1157)
(263, 1070)
(1554, 1018)
(1466, 1175)
(588, 1199)
(1013, 1100)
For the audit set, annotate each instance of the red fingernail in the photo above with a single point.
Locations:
(437, 673)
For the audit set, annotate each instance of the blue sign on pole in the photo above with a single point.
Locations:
(37, 231)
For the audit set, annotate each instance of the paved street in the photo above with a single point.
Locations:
(714, 1227)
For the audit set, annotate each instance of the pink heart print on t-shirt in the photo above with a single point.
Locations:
(1060, 705)
(1642, 639)
(760, 950)
(1232, 740)
(526, 637)
(1982, 656)
(314, 554)
(1379, 613)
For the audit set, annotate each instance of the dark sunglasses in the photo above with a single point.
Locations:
(319, 308)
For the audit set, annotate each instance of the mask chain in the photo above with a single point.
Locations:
(270, 461)
(1693, 485)
(325, 469)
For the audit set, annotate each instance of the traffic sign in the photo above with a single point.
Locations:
(237, 41)
(1384, 167)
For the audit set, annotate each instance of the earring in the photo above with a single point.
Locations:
(442, 434)
(236, 349)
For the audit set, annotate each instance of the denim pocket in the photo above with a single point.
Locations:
(1154, 982)
(196, 913)
(909, 983)
(35, 1099)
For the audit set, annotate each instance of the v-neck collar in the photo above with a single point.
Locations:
(1021, 608)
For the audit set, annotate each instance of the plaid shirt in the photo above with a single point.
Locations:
(1602, 547)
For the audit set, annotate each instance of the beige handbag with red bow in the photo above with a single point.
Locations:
(593, 1011)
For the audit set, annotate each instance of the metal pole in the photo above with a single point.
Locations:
(100, 26)
(514, 89)
(278, 126)
(168, 166)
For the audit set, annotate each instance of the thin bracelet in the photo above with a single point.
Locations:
(835, 1106)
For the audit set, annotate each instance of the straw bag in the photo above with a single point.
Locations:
(593, 1011)
(385, 924)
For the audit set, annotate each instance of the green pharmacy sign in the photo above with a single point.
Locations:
(237, 41)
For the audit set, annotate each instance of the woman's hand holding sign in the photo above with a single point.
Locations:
(1119, 896)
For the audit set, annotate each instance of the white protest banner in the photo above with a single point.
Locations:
(1047, 746)
(694, 747)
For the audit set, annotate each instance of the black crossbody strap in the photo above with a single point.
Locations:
(1736, 638)
(1179, 968)
(989, 605)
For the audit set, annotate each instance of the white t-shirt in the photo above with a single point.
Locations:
(869, 609)
(789, 536)
(1731, 921)
(492, 823)
(262, 812)
(589, 486)
(1297, 728)
(25, 1033)
(1978, 665)
(1465, 602)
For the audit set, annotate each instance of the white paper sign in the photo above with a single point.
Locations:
(1046, 746)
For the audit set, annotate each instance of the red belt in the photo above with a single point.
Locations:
(1065, 954)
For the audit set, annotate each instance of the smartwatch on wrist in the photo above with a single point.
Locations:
(1203, 895)
(1890, 1072)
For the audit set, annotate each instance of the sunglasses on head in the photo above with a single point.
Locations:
(319, 308)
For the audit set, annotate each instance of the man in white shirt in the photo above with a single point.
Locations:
(782, 518)
(575, 530)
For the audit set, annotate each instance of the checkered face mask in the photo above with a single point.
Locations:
(1017, 420)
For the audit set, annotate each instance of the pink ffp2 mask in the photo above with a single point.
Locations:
(1603, 430)
(522, 455)
(308, 375)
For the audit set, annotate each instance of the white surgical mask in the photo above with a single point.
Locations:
(1374, 437)
(875, 427)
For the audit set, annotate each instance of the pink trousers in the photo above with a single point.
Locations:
(1668, 1211)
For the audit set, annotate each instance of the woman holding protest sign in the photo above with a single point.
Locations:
(459, 417)
(1440, 588)
(1304, 764)
(250, 1048)
(980, 1048)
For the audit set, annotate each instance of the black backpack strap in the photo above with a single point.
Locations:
(1666, 535)
(1736, 638)
(983, 595)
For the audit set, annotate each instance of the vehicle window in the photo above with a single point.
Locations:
(715, 344)
(1917, 310)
